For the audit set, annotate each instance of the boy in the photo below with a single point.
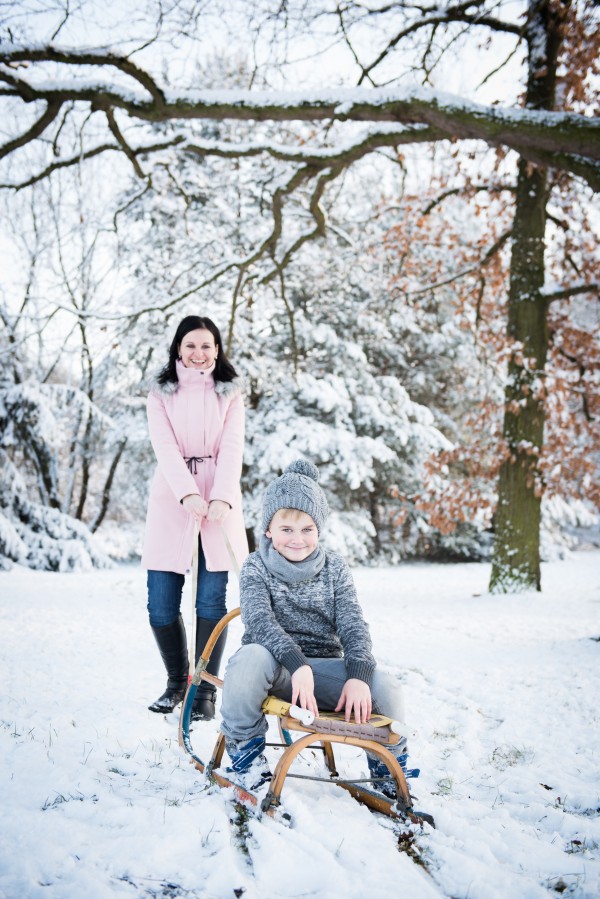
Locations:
(305, 639)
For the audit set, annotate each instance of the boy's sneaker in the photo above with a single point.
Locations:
(248, 762)
(377, 769)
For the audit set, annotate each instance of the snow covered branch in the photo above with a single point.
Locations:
(562, 140)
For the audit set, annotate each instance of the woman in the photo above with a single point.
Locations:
(196, 424)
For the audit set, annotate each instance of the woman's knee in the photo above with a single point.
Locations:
(164, 597)
(211, 602)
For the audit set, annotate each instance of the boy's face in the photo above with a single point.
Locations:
(294, 534)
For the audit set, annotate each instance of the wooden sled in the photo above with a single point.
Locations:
(322, 732)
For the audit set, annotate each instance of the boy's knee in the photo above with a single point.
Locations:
(388, 695)
(255, 654)
(249, 661)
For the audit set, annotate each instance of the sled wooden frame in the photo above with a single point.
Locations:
(324, 732)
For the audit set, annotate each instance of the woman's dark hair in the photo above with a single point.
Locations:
(224, 370)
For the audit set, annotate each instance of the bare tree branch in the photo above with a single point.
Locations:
(486, 258)
(319, 218)
(89, 154)
(467, 190)
(129, 152)
(574, 291)
(36, 130)
(440, 16)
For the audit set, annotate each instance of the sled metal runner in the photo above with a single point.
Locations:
(323, 733)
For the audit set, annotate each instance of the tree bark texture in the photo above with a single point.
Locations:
(516, 562)
(105, 502)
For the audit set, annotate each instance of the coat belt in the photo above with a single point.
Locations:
(192, 462)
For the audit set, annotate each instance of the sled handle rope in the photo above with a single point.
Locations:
(236, 568)
(234, 561)
(192, 649)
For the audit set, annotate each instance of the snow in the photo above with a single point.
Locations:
(99, 800)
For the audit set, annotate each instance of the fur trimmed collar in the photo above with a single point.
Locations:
(222, 388)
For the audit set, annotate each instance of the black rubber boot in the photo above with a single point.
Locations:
(171, 642)
(204, 701)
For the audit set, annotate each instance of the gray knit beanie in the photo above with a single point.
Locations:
(296, 488)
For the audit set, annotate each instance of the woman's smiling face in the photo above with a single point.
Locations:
(198, 349)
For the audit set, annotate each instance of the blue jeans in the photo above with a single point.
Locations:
(165, 589)
(252, 673)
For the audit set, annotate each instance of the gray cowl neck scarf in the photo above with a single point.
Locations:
(286, 571)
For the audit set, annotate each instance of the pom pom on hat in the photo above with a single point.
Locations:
(303, 466)
(296, 488)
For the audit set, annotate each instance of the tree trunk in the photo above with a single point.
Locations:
(105, 502)
(86, 442)
(516, 562)
(47, 470)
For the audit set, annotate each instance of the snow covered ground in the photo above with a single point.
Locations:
(99, 801)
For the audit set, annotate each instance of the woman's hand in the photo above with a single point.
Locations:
(218, 510)
(303, 689)
(355, 697)
(195, 505)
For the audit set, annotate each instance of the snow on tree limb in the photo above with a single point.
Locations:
(563, 140)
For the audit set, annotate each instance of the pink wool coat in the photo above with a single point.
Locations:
(195, 417)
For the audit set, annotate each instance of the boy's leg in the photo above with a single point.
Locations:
(389, 698)
(251, 674)
(386, 693)
(330, 677)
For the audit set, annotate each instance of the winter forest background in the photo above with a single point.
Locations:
(389, 210)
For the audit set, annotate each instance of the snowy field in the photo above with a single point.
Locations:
(99, 801)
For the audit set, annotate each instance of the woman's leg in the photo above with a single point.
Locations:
(164, 596)
(211, 595)
(211, 605)
(164, 600)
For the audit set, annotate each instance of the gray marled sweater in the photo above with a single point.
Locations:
(317, 618)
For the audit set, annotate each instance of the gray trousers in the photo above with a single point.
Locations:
(252, 674)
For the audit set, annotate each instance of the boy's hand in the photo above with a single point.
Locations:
(355, 697)
(303, 689)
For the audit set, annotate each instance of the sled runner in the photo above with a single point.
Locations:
(324, 732)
